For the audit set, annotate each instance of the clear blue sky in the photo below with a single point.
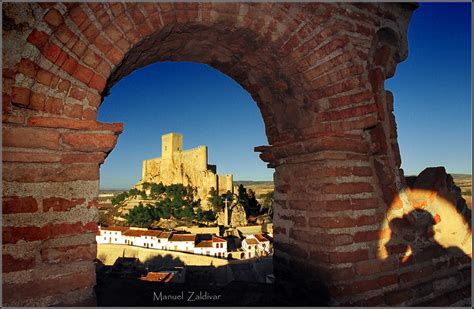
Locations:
(432, 91)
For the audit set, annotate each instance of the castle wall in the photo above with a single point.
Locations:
(184, 167)
(195, 158)
(151, 170)
(189, 167)
(225, 183)
(209, 181)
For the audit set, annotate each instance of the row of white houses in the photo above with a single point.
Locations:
(203, 244)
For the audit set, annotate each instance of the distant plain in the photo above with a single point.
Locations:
(463, 181)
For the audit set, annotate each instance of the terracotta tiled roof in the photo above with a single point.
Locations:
(164, 235)
(183, 237)
(251, 241)
(114, 228)
(134, 233)
(158, 277)
(204, 244)
(150, 233)
(153, 233)
(260, 238)
(218, 239)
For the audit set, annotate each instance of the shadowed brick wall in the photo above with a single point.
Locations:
(316, 71)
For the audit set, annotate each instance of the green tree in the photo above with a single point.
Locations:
(133, 192)
(267, 203)
(187, 212)
(227, 196)
(242, 194)
(163, 209)
(172, 201)
(199, 215)
(156, 190)
(252, 203)
(146, 186)
(119, 198)
(216, 201)
(248, 200)
(140, 215)
(209, 215)
(176, 200)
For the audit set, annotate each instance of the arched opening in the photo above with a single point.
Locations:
(150, 102)
(236, 54)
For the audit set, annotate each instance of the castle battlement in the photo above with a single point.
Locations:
(194, 149)
(152, 159)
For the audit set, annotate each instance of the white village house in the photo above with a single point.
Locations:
(147, 238)
(111, 235)
(211, 246)
(256, 245)
(182, 242)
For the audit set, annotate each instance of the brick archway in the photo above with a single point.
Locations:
(316, 71)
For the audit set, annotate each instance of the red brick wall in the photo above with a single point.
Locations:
(316, 71)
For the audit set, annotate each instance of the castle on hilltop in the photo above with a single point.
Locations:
(187, 167)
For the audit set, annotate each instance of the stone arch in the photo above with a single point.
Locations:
(236, 53)
(315, 70)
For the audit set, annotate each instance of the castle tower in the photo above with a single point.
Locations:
(170, 143)
(225, 183)
(229, 183)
